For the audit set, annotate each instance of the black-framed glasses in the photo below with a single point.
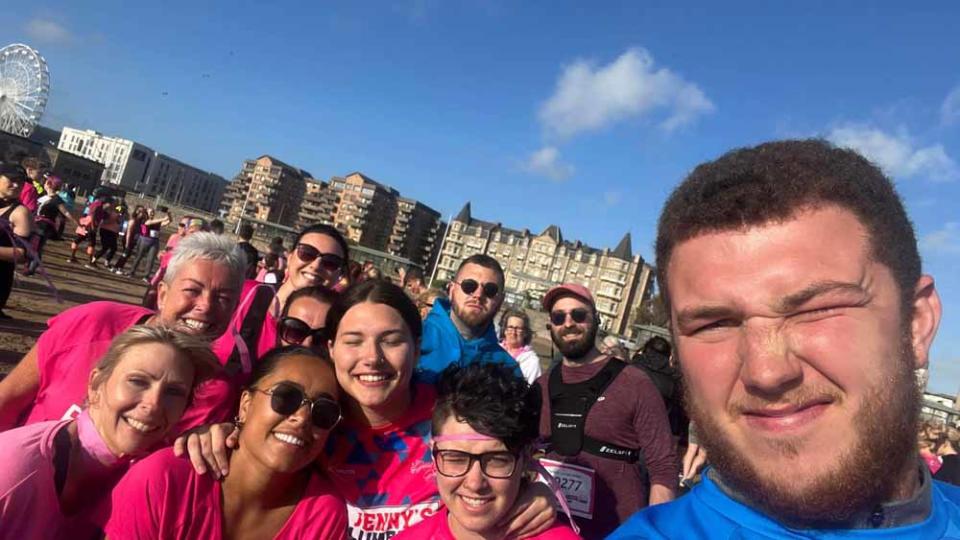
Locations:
(470, 286)
(328, 261)
(579, 316)
(286, 399)
(293, 330)
(455, 463)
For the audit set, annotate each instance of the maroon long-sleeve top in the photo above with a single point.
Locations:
(630, 414)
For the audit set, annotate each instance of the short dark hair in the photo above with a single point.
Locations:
(322, 294)
(657, 344)
(485, 261)
(519, 314)
(493, 399)
(216, 226)
(378, 291)
(411, 274)
(771, 182)
(13, 172)
(245, 231)
(326, 230)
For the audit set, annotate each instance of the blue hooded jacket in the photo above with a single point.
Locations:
(443, 345)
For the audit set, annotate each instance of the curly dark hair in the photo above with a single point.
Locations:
(493, 399)
(771, 182)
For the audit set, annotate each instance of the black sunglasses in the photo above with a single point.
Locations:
(293, 330)
(286, 399)
(579, 316)
(469, 286)
(328, 261)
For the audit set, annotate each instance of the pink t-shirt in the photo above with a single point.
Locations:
(29, 506)
(437, 527)
(76, 340)
(162, 497)
(386, 473)
(173, 241)
(70, 348)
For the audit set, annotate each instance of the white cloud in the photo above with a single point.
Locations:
(944, 240)
(546, 162)
(48, 31)
(896, 154)
(590, 98)
(950, 110)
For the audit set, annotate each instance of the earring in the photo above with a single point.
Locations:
(237, 423)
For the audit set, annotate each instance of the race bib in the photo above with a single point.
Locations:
(577, 484)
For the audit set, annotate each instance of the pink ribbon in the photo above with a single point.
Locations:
(93, 445)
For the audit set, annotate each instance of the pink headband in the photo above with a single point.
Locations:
(464, 437)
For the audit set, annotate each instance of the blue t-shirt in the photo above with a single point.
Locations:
(709, 513)
(443, 345)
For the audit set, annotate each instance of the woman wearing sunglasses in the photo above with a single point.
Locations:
(56, 476)
(304, 317)
(274, 491)
(485, 423)
(318, 259)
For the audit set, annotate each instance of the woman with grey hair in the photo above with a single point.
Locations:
(515, 338)
(197, 297)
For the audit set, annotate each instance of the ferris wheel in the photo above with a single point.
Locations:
(24, 87)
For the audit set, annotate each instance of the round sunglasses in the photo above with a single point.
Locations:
(579, 316)
(293, 330)
(470, 286)
(328, 261)
(286, 399)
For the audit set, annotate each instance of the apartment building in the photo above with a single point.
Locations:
(533, 263)
(319, 204)
(415, 232)
(266, 189)
(125, 162)
(181, 184)
(366, 209)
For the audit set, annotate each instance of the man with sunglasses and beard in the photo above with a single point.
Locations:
(800, 314)
(610, 441)
(460, 329)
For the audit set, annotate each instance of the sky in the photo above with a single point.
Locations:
(583, 115)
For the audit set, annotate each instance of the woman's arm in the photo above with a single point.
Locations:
(18, 389)
(66, 213)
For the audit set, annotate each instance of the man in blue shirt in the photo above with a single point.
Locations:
(461, 329)
(799, 313)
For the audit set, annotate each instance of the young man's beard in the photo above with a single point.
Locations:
(574, 350)
(862, 477)
(474, 319)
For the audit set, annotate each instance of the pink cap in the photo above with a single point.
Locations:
(567, 289)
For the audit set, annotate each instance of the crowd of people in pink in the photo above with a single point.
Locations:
(298, 393)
